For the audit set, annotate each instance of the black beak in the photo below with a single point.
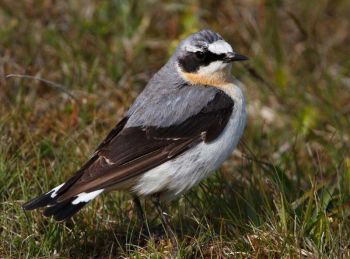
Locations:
(232, 56)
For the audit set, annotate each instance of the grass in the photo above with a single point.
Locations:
(284, 193)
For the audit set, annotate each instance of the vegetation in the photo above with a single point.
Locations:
(284, 193)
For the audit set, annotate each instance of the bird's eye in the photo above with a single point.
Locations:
(200, 55)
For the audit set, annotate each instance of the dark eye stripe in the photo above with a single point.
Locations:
(191, 63)
(211, 57)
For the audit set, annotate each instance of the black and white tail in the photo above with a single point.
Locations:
(60, 210)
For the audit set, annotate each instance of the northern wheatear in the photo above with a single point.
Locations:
(181, 127)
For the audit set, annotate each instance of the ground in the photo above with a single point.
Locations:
(285, 192)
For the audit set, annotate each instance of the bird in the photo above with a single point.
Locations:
(183, 125)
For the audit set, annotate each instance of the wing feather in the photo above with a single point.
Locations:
(128, 152)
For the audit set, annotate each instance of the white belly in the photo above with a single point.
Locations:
(177, 176)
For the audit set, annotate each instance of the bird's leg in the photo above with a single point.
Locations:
(165, 221)
(139, 210)
(141, 217)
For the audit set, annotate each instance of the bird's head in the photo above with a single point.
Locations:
(205, 58)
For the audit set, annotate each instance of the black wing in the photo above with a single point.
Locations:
(128, 152)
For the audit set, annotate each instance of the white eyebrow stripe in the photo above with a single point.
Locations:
(191, 48)
(220, 47)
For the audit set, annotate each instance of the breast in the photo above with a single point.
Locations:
(179, 175)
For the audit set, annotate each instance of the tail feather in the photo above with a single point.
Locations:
(63, 210)
(60, 210)
(68, 211)
(41, 201)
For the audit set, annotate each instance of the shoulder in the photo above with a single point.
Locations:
(220, 101)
